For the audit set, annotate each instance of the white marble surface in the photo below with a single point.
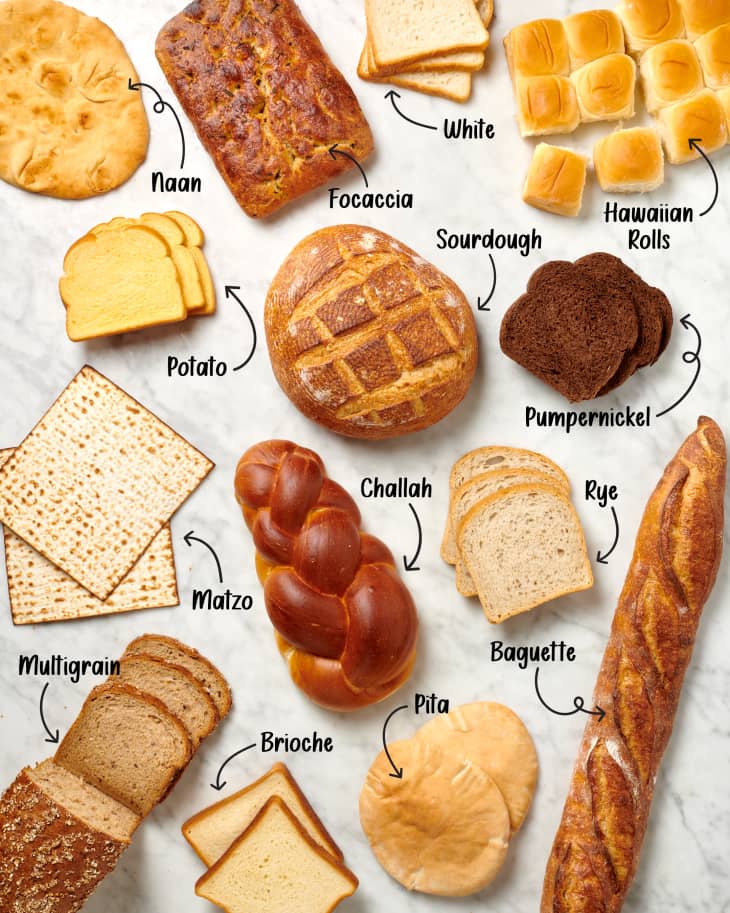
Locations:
(462, 186)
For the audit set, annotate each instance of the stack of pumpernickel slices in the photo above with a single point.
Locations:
(65, 823)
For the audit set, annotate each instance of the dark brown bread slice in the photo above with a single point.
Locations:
(128, 745)
(572, 328)
(173, 651)
(52, 859)
(179, 690)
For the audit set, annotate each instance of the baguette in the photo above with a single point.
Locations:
(676, 557)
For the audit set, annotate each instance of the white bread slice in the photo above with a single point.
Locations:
(402, 32)
(128, 745)
(214, 829)
(276, 867)
(485, 459)
(480, 487)
(524, 546)
(452, 84)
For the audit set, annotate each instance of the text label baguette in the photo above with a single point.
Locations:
(524, 654)
(403, 487)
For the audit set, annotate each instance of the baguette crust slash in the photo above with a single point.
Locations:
(676, 557)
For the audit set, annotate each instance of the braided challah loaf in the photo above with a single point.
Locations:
(345, 622)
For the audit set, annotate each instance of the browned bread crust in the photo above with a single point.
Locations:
(366, 337)
(676, 557)
(50, 861)
(264, 96)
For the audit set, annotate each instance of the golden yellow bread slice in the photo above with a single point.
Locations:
(182, 257)
(194, 239)
(119, 280)
(276, 867)
(443, 828)
(493, 737)
(214, 829)
(452, 84)
(194, 236)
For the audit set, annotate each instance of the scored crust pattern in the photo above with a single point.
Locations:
(366, 337)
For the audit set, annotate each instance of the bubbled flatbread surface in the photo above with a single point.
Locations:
(443, 828)
(496, 739)
(69, 125)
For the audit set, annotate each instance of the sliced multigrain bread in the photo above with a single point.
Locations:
(213, 830)
(276, 867)
(127, 744)
(485, 459)
(59, 838)
(480, 487)
(173, 651)
(178, 689)
(524, 546)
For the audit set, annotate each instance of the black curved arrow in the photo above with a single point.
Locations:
(398, 771)
(189, 538)
(694, 143)
(52, 736)
(482, 305)
(231, 293)
(218, 785)
(578, 704)
(411, 565)
(158, 107)
(335, 151)
(603, 558)
(689, 358)
(392, 95)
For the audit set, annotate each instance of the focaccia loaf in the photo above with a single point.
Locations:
(676, 557)
(264, 96)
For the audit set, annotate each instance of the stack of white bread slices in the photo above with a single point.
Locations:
(434, 46)
(268, 852)
(512, 531)
(65, 823)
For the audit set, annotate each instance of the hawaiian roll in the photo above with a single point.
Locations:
(605, 88)
(713, 50)
(538, 48)
(546, 104)
(701, 16)
(649, 22)
(593, 34)
(670, 72)
(701, 117)
(556, 180)
(629, 161)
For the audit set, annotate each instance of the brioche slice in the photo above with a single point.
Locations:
(276, 867)
(401, 32)
(128, 745)
(214, 829)
(179, 690)
(485, 459)
(524, 546)
(179, 654)
(481, 487)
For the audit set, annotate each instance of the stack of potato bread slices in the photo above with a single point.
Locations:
(268, 852)
(432, 47)
(512, 532)
(65, 823)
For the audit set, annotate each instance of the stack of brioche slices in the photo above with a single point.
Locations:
(268, 852)
(127, 274)
(512, 532)
(432, 47)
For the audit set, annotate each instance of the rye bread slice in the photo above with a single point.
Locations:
(572, 328)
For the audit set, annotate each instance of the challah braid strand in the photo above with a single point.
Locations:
(676, 557)
(345, 622)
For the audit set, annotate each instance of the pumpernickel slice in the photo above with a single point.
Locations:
(572, 328)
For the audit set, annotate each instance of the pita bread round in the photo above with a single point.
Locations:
(70, 127)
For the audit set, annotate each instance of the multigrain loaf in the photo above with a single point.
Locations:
(179, 654)
(366, 337)
(524, 546)
(59, 838)
(127, 744)
(276, 867)
(264, 97)
(176, 688)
